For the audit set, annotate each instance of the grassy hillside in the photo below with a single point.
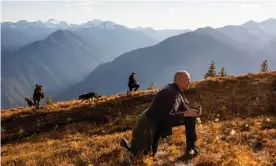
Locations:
(237, 127)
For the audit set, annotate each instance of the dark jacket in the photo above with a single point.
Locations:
(131, 80)
(167, 108)
(166, 111)
(38, 93)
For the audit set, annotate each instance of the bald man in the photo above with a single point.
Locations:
(167, 110)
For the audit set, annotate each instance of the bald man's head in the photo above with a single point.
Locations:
(182, 79)
(180, 74)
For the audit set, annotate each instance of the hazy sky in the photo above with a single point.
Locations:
(156, 14)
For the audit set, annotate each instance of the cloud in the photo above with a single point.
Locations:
(173, 9)
(87, 8)
(250, 6)
(68, 6)
(87, 3)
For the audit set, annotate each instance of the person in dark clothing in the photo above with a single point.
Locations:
(132, 82)
(168, 109)
(38, 95)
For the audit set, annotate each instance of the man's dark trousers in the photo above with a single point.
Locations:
(36, 101)
(136, 86)
(191, 137)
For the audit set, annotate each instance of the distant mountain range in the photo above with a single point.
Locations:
(251, 33)
(234, 47)
(70, 59)
(58, 55)
(161, 34)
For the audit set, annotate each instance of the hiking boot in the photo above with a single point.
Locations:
(124, 144)
(189, 155)
(192, 152)
(196, 151)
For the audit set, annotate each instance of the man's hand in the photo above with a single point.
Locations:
(191, 113)
(198, 108)
(199, 111)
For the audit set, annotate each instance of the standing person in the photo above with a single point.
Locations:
(38, 95)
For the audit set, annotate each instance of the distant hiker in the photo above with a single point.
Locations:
(30, 102)
(132, 82)
(168, 109)
(86, 96)
(38, 95)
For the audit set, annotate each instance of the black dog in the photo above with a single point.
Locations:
(29, 101)
(89, 95)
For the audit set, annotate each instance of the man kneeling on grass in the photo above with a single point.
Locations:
(167, 110)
